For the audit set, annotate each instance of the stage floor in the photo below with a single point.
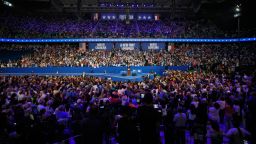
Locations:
(112, 76)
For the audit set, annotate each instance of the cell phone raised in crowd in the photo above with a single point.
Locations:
(142, 96)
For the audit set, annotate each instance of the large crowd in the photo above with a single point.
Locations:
(212, 102)
(12, 26)
(204, 56)
(51, 109)
(67, 55)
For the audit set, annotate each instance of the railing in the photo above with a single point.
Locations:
(186, 40)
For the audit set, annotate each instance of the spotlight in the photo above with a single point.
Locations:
(237, 9)
(237, 15)
(7, 3)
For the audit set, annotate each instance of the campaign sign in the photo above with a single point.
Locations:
(127, 46)
(153, 46)
(101, 46)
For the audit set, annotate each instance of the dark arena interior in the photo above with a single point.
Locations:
(127, 72)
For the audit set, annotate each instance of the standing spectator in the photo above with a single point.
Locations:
(237, 134)
(215, 133)
(228, 115)
(191, 115)
(201, 122)
(237, 111)
(148, 121)
(92, 128)
(180, 125)
(127, 129)
(222, 104)
(213, 113)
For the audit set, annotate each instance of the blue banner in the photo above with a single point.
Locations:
(127, 46)
(100, 46)
(152, 46)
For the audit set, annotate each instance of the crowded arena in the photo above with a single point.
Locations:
(127, 72)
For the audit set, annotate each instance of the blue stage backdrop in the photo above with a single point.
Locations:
(144, 69)
(126, 46)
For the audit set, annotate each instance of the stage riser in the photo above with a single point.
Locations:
(55, 70)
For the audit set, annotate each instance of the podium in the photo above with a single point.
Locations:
(128, 71)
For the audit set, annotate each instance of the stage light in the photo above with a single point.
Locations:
(237, 15)
(237, 8)
(7, 3)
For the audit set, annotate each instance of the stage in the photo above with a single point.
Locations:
(113, 76)
(113, 73)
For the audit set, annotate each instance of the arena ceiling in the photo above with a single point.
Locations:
(221, 11)
(110, 5)
(103, 5)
